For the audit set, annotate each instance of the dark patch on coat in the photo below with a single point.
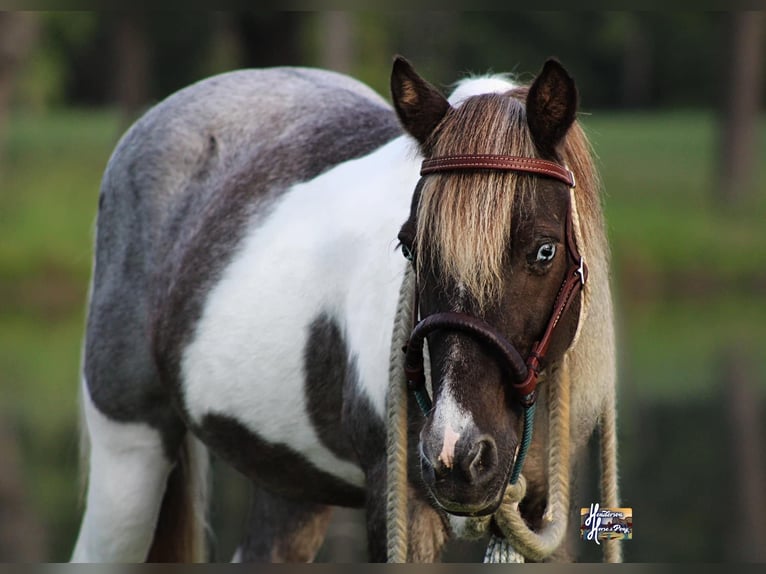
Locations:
(275, 467)
(364, 427)
(326, 370)
(339, 409)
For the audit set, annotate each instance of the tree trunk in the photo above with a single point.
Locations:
(18, 32)
(21, 534)
(741, 98)
(336, 41)
(131, 81)
(748, 518)
(636, 63)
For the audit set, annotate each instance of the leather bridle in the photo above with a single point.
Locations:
(524, 373)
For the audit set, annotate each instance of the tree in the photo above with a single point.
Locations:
(742, 92)
(636, 60)
(743, 404)
(132, 69)
(336, 45)
(18, 31)
(22, 537)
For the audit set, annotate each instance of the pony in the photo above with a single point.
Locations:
(248, 258)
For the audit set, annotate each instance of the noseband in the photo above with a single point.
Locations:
(524, 373)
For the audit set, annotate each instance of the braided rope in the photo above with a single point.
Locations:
(609, 489)
(396, 426)
(608, 423)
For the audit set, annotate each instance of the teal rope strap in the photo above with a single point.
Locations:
(526, 440)
(424, 401)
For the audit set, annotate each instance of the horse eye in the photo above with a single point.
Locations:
(407, 252)
(546, 253)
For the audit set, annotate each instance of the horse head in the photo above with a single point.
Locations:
(493, 246)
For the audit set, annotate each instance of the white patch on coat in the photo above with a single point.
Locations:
(127, 475)
(327, 247)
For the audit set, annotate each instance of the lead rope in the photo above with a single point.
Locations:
(609, 490)
(520, 542)
(396, 425)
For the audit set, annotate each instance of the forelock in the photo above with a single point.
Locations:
(465, 218)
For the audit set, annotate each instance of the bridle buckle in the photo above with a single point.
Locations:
(581, 270)
(572, 177)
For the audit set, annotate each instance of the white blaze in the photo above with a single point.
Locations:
(450, 421)
(447, 454)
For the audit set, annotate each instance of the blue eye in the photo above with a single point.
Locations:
(546, 253)
(407, 252)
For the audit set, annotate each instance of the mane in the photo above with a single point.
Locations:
(465, 219)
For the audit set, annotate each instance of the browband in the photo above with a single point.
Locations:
(501, 162)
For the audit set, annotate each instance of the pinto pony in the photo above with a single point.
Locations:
(247, 266)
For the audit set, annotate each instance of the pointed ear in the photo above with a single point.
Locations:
(418, 104)
(551, 107)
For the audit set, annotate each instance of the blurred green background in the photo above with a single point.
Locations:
(673, 105)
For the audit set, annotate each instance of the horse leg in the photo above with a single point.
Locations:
(426, 532)
(427, 529)
(281, 530)
(128, 472)
(126, 480)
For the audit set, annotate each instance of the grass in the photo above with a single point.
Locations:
(674, 350)
(688, 267)
(661, 206)
(50, 179)
(687, 271)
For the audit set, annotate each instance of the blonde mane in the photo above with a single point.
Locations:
(464, 219)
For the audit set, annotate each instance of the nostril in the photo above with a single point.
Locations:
(427, 470)
(431, 469)
(481, 460)
(440, 470)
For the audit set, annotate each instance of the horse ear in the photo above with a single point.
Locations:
(551, 107)
(418, 104)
